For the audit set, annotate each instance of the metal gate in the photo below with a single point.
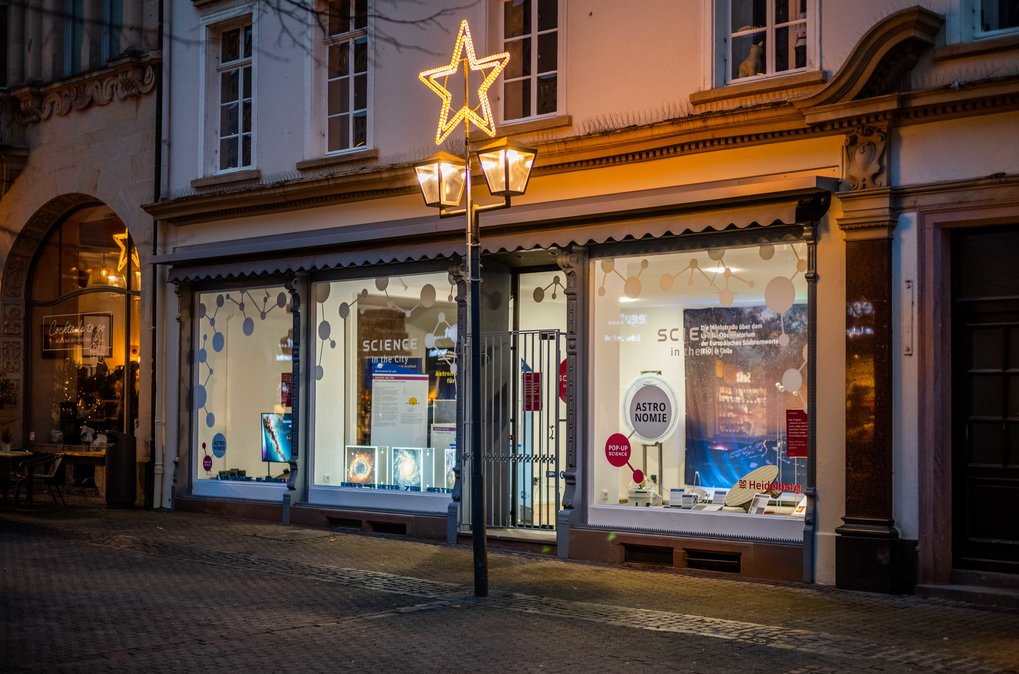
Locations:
(522, 413)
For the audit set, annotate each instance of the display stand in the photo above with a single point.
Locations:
(661, 488)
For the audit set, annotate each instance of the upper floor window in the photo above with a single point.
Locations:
(997, 16)
(767, 37)
(532, 37)
(90, 40)
(347, 75)
(74, 28)
(234, 65)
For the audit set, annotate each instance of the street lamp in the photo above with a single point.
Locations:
(444, 180)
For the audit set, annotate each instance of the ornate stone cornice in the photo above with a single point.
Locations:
(129, 77)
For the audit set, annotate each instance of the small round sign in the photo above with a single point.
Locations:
(650, 407)
(617, 450)
(219, 446)
(207, 463)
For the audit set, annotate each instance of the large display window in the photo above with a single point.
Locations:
(384, 391)
(699, 394)
(241, 407)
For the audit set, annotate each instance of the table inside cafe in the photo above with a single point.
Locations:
(75, 455)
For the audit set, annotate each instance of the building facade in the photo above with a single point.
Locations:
(79, 156)
(753, 313)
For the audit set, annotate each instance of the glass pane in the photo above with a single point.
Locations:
(229, 88)
(548, 14)
(247, 41)
(1012, 456)
(784, 48)
(998, 14)
(1013, 348)
(748, 14)
(228, 153)
(228, 124)
(800, 45)
(246, 114)
(1013, 396)
(517, 99)
(520, 59)
(987, 348)
(360, 130)
(697, 352)
(246, 150)
(547, 94)
(367, 330)
(361, 55)
(246, 74)
(339, 60)
(339, 16)
(548, 52)
(782, 10)
(339, 133)
(230, 45)
(360, 92)
(986, 396)
(339, 97)
(748, 55)
(516, 18)
(361, 14)
(240, 407)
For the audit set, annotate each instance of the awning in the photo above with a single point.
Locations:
(636, 215)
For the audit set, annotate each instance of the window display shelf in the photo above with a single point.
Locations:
(699, 523)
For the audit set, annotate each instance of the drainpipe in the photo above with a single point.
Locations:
(156, 443)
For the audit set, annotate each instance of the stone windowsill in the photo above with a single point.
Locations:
(365, 156)
(985, 47)
(526, 126)
(790, 84)
(227, 179)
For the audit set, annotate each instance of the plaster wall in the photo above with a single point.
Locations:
(955, 149)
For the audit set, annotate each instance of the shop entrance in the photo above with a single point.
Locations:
(523, 411)
(985, 395)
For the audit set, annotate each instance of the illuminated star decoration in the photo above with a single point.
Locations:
(494, 64)
(121, 241)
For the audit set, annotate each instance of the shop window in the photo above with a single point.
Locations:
(84, 338)
(384, 380)
(533, 37)
(241, 404)
(700, 390)
(765, 37)
(230, 95)
(347, 53)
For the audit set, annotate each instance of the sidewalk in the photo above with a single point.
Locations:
(87, 589)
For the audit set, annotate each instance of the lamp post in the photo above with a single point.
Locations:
(444, 180)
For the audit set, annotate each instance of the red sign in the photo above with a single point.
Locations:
(207, 463)
(531, 383)
(562, 380)
(617, 450)
(286, 388)
(796, 439)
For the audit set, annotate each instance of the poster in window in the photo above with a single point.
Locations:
(742, 366)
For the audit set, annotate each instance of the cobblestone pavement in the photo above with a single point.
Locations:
(87, 589)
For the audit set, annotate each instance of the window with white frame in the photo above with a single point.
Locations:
(347, 75)
(997, 17)
(233, 84)
(532, 37)
(767, 37)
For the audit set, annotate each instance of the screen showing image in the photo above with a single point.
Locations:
(450, 460)
(407, 466)
(361, 465)
(276, 437)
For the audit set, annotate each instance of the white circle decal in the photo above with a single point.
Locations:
(651, 408)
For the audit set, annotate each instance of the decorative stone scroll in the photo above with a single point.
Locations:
(866, 158)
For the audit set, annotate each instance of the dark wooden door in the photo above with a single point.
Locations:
(985, 399)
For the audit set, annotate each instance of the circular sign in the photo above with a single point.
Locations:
(651, 408)
(617, 450)
(562, 380)
(207, 463)
(218, 446)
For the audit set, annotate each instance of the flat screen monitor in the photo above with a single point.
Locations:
(276, 437)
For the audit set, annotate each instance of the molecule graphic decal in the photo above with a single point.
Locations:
(250, 304)
(443, 329)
